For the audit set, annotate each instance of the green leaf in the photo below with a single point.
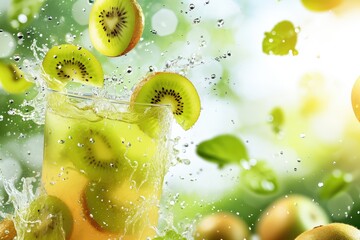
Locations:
(223, 149)
(335, 183)
(277, 119)
(22, 12)
(171, 235)
(281, 40)
(260, 179)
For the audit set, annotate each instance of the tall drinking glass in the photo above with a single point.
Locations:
(106, 160)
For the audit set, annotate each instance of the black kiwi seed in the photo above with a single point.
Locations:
(114, 12)
(159, 94)
(72, 62)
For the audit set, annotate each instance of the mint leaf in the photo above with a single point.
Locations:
(223, 149)
(260, 179)
(281, 40)
(277, 119)
(335, 183)
(171, 235)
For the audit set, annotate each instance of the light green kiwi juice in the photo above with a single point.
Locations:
(106, 160)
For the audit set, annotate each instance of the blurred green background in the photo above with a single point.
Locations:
(273, 75)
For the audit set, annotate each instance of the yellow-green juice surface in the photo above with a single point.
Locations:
(106, 161)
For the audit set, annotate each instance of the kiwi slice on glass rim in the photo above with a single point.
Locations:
(47, 218)
(172, 89)
(67, 62)
(12, 79)
(115, 27)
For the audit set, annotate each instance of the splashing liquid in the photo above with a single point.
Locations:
(34, 106)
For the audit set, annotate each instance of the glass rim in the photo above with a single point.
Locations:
(89, 96)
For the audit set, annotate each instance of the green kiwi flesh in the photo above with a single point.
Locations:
(172, 89)
(48, 218)
(67, 62)
(95, 154)
(115, 27)
(12, 78)
(104, 208)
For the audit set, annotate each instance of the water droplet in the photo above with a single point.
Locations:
(61, 141)
(20, 35)
(191, 6)
(17, 58)
(91, 1)
(320, 184)
(196, 20)
(220, 22)
(129, 69)
(91, 140)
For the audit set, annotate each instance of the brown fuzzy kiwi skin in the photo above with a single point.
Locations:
(139, 27)
(334, 231)
(7, 229)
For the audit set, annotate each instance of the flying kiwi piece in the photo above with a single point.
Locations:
(95, 154)
(172, 89)
(7, 229)
(104, 208)
(47, 218)
(115, 26)
(68, 62)
(12, 79)
(338, 231)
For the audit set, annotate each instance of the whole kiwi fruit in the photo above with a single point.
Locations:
(332, 231)
(288, 216)
(222, 225)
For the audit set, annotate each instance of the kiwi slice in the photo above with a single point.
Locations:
(68, 62)
(115, 26)
(105, 209)
(47, 218)
(173, 89)
(12, 79)
(95, 152)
